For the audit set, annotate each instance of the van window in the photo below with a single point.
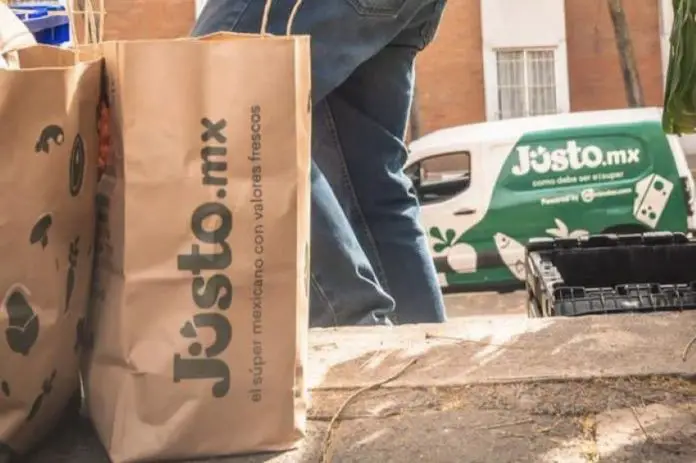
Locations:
(441, 177)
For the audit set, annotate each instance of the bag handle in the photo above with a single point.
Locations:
(70, 11)
(88, 13)
(267, 13)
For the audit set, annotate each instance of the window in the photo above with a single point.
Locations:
(526, 83)
(441, 177)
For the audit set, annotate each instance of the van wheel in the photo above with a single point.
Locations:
(625, 230)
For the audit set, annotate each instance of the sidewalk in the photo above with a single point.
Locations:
(499, 389)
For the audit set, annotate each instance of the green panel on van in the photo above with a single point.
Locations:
(573, 182)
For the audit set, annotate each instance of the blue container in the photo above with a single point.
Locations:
(29, 14)
(48, 29)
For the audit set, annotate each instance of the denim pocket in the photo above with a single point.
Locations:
(431, 26)
(378, 7)
(423, 28)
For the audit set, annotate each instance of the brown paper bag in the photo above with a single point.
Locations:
(48, 167)
(201, 320)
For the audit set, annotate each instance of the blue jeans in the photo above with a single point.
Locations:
(370, 257)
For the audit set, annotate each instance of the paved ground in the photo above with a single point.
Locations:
(463, 305)
(626, 420)
(497, 388)
(623, 420)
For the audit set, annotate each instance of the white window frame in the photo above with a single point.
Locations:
(490, 72)
(526, 52)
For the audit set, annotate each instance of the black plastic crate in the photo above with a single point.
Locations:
(608, 274)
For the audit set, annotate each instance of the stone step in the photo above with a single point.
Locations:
(498, 389)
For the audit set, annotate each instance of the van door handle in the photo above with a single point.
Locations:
(465, 212)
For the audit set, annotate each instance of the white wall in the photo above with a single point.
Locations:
(666, 19)
(523, 24)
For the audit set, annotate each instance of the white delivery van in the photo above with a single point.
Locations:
(486, 189)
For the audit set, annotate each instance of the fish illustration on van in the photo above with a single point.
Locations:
(512, 251)
(512, 254)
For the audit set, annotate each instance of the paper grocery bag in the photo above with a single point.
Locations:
(202, 298)
(48, 172)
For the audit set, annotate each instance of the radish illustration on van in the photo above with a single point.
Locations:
(561, 231)
(459, 255)
(487, 189)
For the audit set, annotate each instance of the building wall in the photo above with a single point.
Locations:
(666, 20)
(595, 72)
(149, 18)
(452, 86)
(450, 70)
(504, 28)
(456, 74)
(145, 19)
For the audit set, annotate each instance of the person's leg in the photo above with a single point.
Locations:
(345, 34)
(367, 116)
(344, 288)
